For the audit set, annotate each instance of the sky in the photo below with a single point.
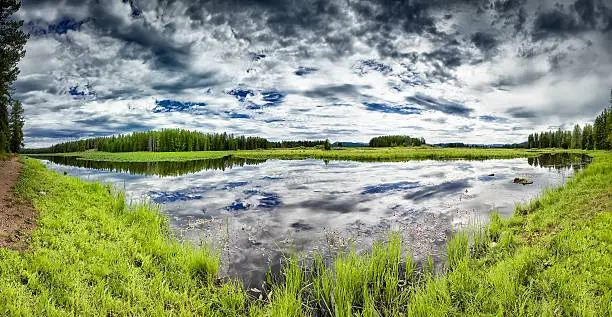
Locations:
(473, 71)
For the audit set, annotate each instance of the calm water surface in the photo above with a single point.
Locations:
(256, 211)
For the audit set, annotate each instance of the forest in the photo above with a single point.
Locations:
(395, 140)
(173, 140)
(591, 137)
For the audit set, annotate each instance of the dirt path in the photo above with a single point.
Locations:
(17, 217)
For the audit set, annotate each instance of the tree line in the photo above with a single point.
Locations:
(172, 140)
(12, 42)
(395, 140)
(597, 136)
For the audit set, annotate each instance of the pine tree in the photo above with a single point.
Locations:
(16, 127)
(577, 137)
(587, 137)
(12, 41)
(4, 126)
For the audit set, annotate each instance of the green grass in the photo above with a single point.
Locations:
(5, 156)
(363, 154)
(93, 255)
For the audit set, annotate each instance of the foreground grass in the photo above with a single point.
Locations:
(364, 154)
(92, 255)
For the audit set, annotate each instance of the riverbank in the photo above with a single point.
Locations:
(94, 255)
(357, 154)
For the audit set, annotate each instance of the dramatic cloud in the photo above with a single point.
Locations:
(450, 71)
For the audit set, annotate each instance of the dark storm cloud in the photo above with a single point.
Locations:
(187, 81)
(162, 48)
(38, 28)
(62, 133)
(484, 41)
(302, 71)
(265, 52)
(110, 124)
(488, 118)
(504, 6)
(37, 83)
(521, 113)
(582, 15)
(335, 92)
(442, 105)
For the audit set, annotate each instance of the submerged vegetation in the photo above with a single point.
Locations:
(93, 254)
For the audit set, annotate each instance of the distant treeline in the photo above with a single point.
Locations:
(483, 146)
(172, 140)
(294, 144)
(592, 137)
(395, 140)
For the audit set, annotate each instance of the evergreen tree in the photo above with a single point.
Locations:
(16, 127)
(587, 137)
(4, 126)
(395, 140)
(577, 137)
(530, 141)
(12, 41)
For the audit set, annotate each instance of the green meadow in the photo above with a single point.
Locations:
(365, 154)
(92, 254)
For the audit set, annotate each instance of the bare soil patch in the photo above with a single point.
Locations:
(17, 216)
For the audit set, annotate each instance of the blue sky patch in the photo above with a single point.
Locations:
(78, 92)
(241, 94)
(175, 106)
(272, 98)
(234, 115)
(381, 107)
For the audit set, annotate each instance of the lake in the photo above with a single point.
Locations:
(257, 211)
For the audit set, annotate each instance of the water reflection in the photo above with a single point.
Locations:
(256, 211)
(560, 160)
(165, 168)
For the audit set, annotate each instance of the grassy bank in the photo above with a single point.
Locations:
(93, 255)
(365, 154)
